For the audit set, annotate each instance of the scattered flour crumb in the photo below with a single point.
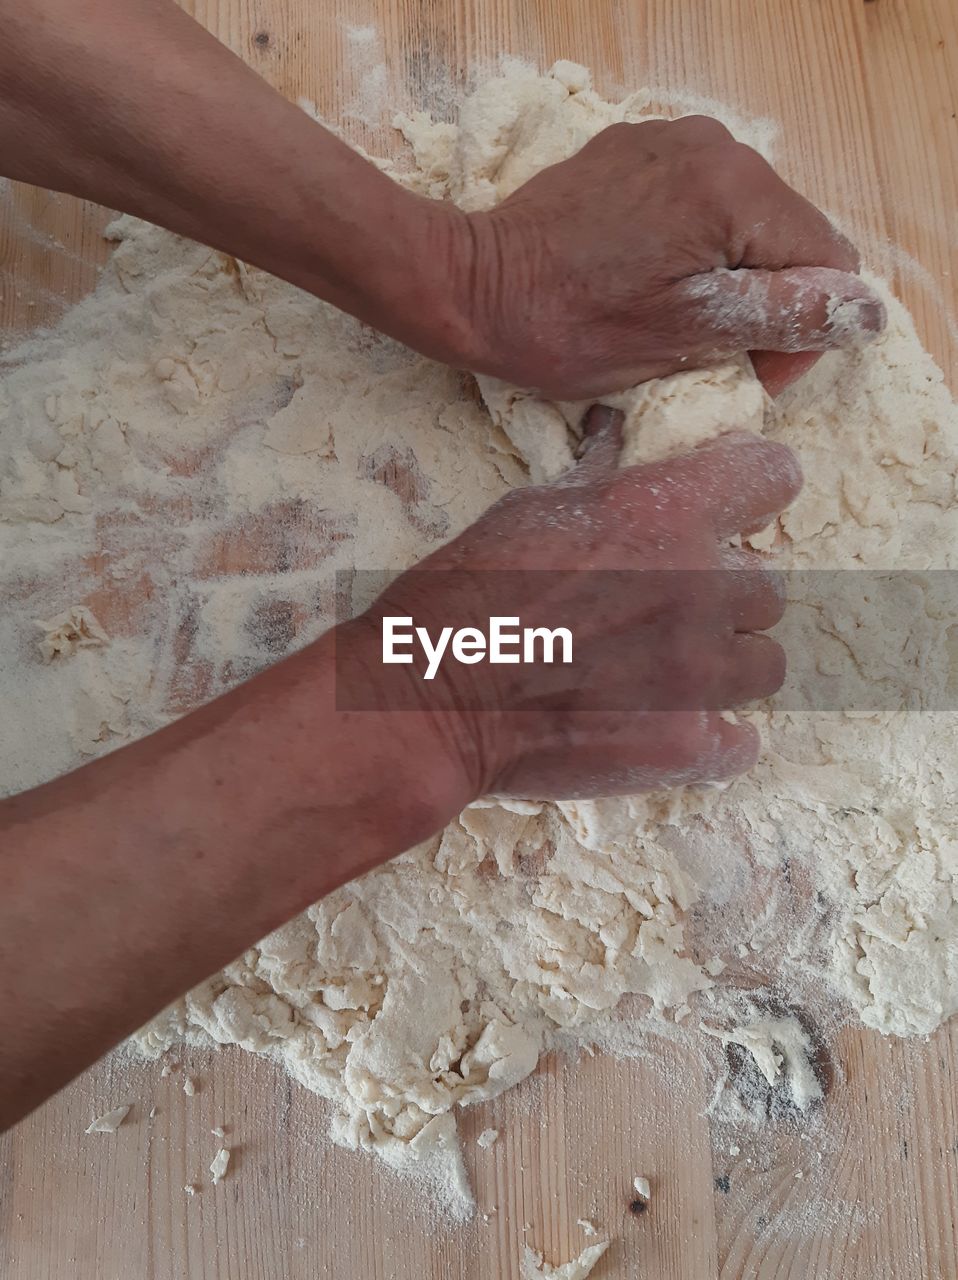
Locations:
(75, 628)
(533, 1267)
(588, 1227)
(487, 1138)
(219, 1165)
(110, 1121)
(189, 1087)
(190, 1189)
(783, 1052)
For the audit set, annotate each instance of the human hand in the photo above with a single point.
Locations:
(681, 645)
(658, 247)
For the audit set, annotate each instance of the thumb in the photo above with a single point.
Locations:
(601, 445)
(797, 309)
(777, 370)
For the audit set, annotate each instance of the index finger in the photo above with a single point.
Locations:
(742, 480)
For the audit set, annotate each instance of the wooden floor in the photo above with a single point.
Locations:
(866, 92)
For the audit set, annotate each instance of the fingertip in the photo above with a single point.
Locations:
(858, 317)
(845, 255)
(782, 463)
(831, 308)
(753, 452)
(737, 745)
(601, 444)
(600, 419)
(747, 479)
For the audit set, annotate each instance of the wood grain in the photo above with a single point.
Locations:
(866, 93)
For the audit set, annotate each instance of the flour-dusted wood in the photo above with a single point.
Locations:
(867, 95)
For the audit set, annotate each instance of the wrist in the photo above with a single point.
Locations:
(421, 750)
(420, 275)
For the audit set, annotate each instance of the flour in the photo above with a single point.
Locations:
(193, 453)
(781, 1050)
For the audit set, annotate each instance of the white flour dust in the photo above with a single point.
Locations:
(190, 455)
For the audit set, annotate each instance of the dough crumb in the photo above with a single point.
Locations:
(642, 1189)
(190, 1189)
(219, 1165)
(571, 75)
(783, 1053)
(534, 1266)
(189, 1087)
(75, 628)
(109, 1122)
(487, 1138)
(588, 1228)
(218, 1132)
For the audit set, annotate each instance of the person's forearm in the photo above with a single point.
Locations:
(133, 104)
(134, 878)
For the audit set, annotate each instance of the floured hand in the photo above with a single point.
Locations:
(657, 656)
(658, 247)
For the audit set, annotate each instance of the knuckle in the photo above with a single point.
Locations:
(617, 134)
(513, 500)
(739, 170)
(846, 252)
(704, 129)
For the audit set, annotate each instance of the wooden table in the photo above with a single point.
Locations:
(866, 92)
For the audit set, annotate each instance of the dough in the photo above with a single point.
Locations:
(73, 629)
(533, 1267)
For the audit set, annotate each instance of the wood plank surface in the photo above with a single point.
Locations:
(866, 93)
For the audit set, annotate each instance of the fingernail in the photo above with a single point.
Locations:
(852, 320)
(600, 418)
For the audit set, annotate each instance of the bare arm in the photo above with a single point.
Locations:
(132, 879)
(589, 278)
(133, 104)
